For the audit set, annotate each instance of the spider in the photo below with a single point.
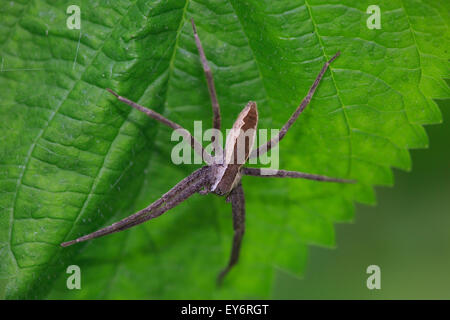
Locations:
(223, 172)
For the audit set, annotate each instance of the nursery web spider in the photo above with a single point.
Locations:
(222, 174)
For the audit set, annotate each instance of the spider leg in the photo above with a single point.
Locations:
(209, 79)
(273, 142)
(268, 173)
(195, 187)
(238, 208)
(157, 116)
(180, 192)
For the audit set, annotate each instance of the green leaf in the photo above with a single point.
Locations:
(72, 159)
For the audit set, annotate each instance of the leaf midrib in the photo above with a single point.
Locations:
(117, 265)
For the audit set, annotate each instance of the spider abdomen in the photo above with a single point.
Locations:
(238, 146)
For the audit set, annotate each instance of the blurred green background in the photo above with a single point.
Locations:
(406, 234)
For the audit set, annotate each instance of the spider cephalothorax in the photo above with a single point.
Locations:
(223, 172)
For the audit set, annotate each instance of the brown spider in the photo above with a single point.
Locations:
(223, 172)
